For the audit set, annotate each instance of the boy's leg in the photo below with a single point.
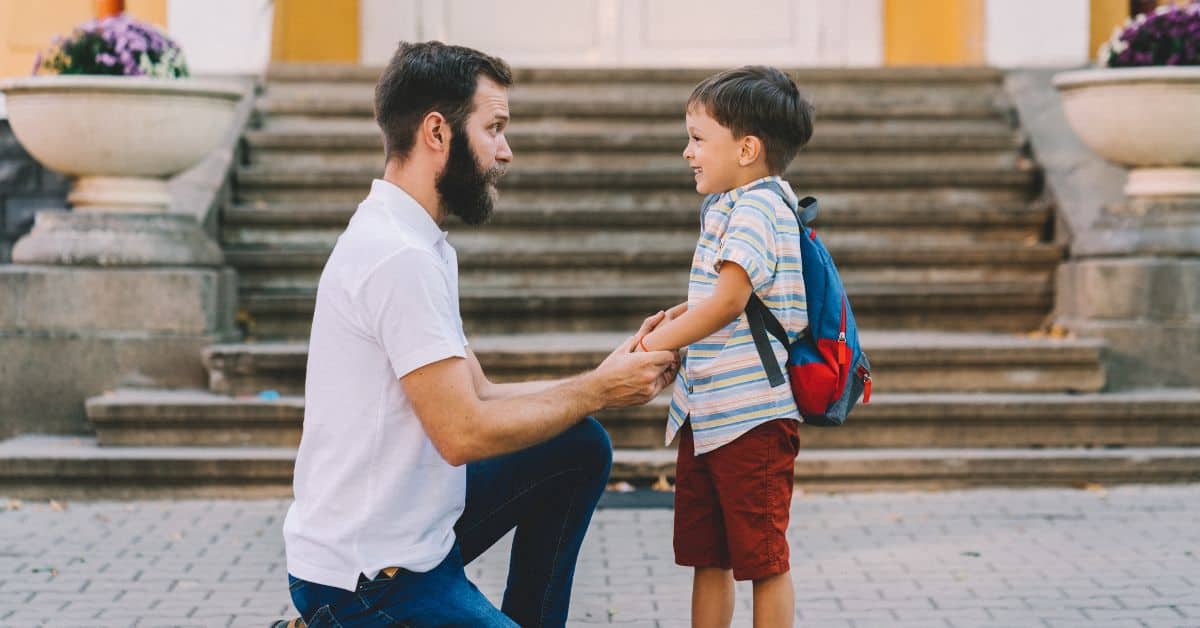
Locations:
(548, 493)
(754, 476)
(774, 601)
(712, 598)
(700, 536)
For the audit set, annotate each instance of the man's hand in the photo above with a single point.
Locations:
(629, 377)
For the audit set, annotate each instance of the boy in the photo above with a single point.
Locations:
(738, 435)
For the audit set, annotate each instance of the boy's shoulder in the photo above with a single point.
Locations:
(764, 198)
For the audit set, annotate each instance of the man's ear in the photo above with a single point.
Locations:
(435, 132)
(750, 148)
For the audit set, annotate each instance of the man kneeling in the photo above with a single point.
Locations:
(412, 462)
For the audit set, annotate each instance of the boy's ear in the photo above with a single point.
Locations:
(750, 148)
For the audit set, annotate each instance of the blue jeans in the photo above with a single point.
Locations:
(547, 492)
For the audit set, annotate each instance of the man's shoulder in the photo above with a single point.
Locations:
(363, 249)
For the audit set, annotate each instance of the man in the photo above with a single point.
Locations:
(412, 462)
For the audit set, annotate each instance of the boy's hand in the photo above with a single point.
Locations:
(648, 326)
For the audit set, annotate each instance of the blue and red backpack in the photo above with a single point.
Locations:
(826, 366)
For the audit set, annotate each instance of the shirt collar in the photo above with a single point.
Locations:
(405, 210)
(737, 192)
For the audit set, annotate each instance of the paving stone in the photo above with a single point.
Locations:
(1032, 570)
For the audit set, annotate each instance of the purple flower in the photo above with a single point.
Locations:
(106, 59)
(1168, 36)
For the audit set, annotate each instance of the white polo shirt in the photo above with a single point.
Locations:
(371, 490)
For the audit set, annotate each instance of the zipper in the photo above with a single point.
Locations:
(866, 377)
(842, 351)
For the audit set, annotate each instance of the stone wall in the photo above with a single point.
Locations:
(25, 188)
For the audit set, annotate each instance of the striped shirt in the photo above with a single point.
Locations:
(722, 388)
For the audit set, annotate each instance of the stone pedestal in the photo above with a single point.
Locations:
(1134, 279)
(71, 332)
(89, 237)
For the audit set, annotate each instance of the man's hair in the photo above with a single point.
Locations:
(760, 101)
(426, 77)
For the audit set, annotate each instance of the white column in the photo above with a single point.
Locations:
(223, 36)
(383, 24)
(1030, 33)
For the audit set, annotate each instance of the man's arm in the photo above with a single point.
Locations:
(488, 389)
(465, 427)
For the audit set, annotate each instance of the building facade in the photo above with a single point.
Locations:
(243, 36)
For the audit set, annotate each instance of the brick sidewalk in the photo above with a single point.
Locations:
(1128, 556)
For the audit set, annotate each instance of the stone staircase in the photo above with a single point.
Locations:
(930, 204)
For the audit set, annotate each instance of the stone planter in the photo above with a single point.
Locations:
(1144, 118)
(120, 291)
(121, 138)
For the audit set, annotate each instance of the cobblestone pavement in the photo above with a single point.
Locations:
(1127, 556)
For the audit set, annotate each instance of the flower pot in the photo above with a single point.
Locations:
(1145, 118)
(121, 138)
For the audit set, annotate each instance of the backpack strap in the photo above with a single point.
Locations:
(762, 322)
(758, 315)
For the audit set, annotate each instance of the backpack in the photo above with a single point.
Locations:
(826, 365)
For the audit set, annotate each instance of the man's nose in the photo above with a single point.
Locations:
(504, 151)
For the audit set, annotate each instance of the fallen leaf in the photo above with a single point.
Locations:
(14, 504)
(621, 487)
(1093, 487)
(662, 484)
(57, 506)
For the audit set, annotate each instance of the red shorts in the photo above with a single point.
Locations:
(732, 503)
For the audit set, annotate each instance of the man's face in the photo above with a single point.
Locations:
(479, 156)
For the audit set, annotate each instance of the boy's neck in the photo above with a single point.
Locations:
(749, 175)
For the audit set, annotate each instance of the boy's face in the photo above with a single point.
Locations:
(712, 152)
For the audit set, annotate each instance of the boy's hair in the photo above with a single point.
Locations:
(426, 77)
(760, 101)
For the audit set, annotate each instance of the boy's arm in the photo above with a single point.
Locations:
(727, 302)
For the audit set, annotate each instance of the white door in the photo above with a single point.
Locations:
(635, 33)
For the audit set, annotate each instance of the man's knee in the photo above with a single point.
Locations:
(593, 445)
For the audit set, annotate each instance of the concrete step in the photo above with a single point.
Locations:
(903, 361)
(77, 467)
(663, 164)
(128, 418)
(643, 100)
(968, 215)
(995, 306)
(298, 269)
(353, 73)
(937, 469)
(33, 466)
(676, 176)
(652, 251)
(340, 137)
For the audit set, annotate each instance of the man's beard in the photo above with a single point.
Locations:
(464, 189)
